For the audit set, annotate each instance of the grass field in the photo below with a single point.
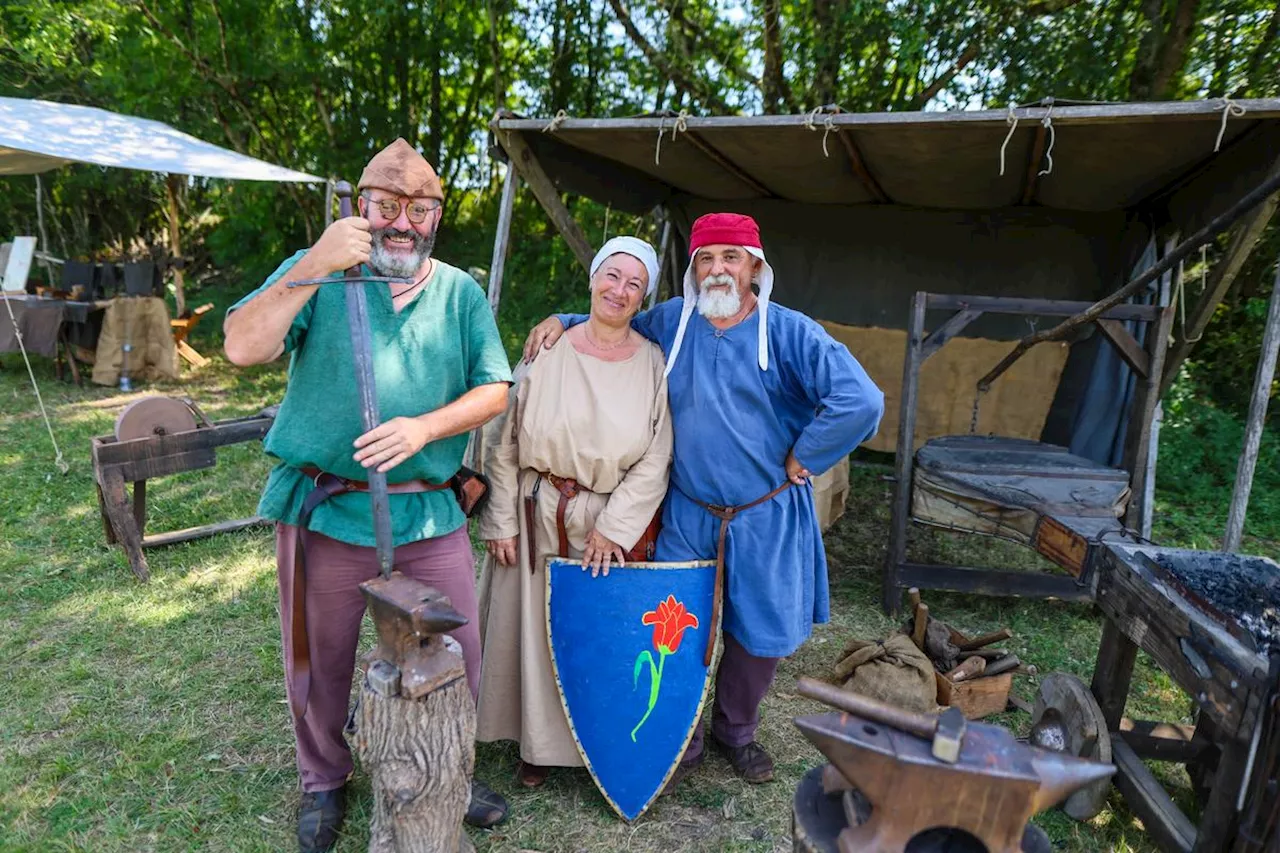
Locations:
(152, 717)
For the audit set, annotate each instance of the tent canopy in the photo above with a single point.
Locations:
(36, 136)
(858, 211)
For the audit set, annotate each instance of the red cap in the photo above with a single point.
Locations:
(730, 229)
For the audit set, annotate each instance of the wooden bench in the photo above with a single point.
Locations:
(182, 327)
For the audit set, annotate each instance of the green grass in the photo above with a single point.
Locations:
(151, 716)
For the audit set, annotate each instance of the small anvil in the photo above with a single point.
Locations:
(411, 619)
(992, 789)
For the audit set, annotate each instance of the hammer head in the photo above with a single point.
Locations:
(949, 736)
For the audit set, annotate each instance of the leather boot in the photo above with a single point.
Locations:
(320, 817)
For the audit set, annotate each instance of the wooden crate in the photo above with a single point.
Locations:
(978, 697)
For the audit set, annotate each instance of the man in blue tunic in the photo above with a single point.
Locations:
(761, 398)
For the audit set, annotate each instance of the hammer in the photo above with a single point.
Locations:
(946, 730)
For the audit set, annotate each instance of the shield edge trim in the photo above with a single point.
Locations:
(702, 702)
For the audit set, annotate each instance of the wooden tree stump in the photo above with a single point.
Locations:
(420, 757)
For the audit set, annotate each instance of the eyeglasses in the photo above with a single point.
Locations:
(417, 211)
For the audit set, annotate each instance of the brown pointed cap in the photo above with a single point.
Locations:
(400, 169)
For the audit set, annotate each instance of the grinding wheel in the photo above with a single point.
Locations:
(153, 416)
(1066, 718)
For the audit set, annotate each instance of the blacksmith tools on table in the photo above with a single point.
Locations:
(409, 616)
(908, 776)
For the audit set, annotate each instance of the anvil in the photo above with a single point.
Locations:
(990, 792)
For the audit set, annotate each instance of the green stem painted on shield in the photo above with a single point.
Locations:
(655, 681)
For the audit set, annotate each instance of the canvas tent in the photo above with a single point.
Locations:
(860, 211)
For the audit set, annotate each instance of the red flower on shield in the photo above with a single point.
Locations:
(669, 622)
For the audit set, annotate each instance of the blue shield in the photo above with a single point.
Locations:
(628, 653)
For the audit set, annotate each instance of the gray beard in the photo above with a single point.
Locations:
(398, 265)
(716, 305)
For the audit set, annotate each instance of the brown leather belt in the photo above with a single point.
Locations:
(726, 514)
(326, 486)
(568, 489)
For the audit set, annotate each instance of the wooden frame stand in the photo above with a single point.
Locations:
(115, 463)
(1146, 363)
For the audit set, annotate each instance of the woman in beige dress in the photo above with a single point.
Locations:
(592, 409)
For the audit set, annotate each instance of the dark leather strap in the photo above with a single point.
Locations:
(326, 486)
(726, 514)
(568, 489)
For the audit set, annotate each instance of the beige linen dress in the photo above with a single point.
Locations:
(606, 425)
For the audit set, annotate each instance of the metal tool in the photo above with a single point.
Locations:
(946, 730)
(985, 795)
(362, 353)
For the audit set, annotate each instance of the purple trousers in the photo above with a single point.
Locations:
(335, 606)
(742, 680)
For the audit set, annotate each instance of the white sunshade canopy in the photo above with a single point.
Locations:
(36, 136)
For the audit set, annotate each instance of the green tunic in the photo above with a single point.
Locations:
(438, 347)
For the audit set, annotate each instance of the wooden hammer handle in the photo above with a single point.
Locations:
(876, 711)
(986, 640)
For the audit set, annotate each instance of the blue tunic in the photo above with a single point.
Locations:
(734, 424)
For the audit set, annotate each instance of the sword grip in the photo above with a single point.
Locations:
(362, 353)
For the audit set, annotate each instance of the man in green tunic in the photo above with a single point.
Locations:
(441, 371)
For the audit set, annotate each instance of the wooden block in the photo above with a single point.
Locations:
(976, 698)
(194, 358)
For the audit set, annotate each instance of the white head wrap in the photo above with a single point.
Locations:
(636, 248)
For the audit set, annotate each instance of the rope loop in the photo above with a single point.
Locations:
(680, 125)
(1047, 122)
(1012, 120)
(1229, 109)
(554, 125)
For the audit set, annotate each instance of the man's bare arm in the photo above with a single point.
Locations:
(255, 332)
(388, 445)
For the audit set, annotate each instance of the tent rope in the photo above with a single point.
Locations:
(680, 125)
(1229, 108)
(1180, 296)
(58, 460)
(827, 122)
(1047, 121)
(1012, 120)
(554, 125)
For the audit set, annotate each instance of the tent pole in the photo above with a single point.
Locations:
(1169, 285)
(1255, 422)
(175, 245)
(328, 202)
(44, 235)
(502, 237)
(664, 249)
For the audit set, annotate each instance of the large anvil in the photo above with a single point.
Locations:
(990, 791)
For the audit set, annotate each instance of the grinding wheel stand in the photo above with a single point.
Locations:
(155, 437)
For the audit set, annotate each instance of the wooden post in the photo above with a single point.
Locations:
(502, 237)
(1219, 282)
(1254, 424)
(328, 203)
(664, 249)
(171, 185)
(1142, 412)
(524, 161)
(420, 757)
(897, 554)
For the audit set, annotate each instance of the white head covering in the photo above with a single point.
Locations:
(636, 248)
(731, 234)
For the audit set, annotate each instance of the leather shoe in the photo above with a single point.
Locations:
(487, 807)
(531, 775)
(750, 761)
(683, 769)
(320, 817)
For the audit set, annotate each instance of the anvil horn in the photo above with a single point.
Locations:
(438, 616)
(1062, 775)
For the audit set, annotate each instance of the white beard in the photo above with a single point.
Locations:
(396, 265)
(717, 305)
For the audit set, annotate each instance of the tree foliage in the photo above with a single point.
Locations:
(318, 85)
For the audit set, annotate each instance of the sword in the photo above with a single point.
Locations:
(362, 352)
